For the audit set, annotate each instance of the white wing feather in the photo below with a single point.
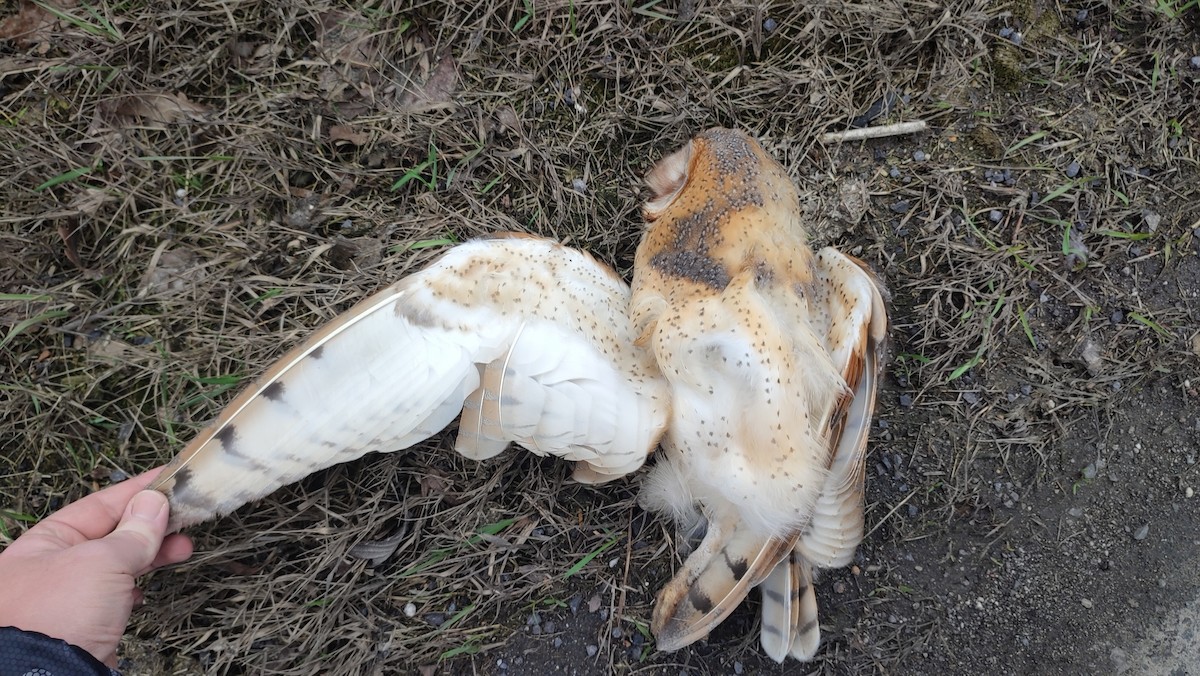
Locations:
(533, 337)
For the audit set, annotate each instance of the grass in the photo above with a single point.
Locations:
(126, 308)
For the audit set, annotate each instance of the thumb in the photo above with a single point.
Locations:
(139, 535)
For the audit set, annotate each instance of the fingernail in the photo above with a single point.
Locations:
(147, 505)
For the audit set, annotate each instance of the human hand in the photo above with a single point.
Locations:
(72, 575)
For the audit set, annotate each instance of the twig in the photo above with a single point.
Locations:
(873, 132)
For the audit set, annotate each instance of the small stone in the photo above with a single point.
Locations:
(894, 172)
(839, 587)
(1006, 32)
(995, 216)
(1089, 472)
(435, 619)
(1073, 169)
(573, 604)
(536, 630)
(558, 641)
(920, 156)
(1142, 532)
(1081, 16)
(738, 668)
(971, 398)
(1195, 62)
(579, 186)
(549, 627)
(1188, 492)
(1075, 512)
(410, 610)
(617, 633)
(906, 400)
(594, 603)
(533, 619)
(1017, 38)
(900, 207)
(592, 650)
(501, 664)
(769, 25)
(913, 510)
(1087, 603)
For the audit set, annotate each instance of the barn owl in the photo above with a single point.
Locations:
(772, 353)
(751, 358)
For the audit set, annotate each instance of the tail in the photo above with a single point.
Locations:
(714, 580)
(789, 611)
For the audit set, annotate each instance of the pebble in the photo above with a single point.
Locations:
(920, 156)
(913, 510)
(534, 618)
(1142, 532)
(1081, 16)
(769, 25)
(738, 668)
(573, 604)
(1087, 603)
(1075, 512)
(579, 186)
(1089, 472)
(592, 650)
(594, 603)
(1073, 169)
(894, 172)
(617, 633)
(1017, 38)
(995, 216)
(906, 400)
(900, 207)
(549, 627)
(436, 619)
(410, 610)
(558, 641)
(1188, 492)
(1006, 32)
(1195, 61)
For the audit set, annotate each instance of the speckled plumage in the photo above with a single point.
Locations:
(772, 354)
(529, 339)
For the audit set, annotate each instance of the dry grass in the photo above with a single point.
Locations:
(194, 186)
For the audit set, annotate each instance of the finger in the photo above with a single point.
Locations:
(175, 549)
(138, 537)
(94, 516)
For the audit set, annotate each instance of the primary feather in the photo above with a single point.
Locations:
(532, 337)
(770, 352)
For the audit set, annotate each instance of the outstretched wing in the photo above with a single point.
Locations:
(532, 337)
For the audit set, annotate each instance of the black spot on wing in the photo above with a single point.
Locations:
(773, 595)
(699, 600)
(227, 436)
(739, 566)
(183, 493)
(808, 626)
(274, 391)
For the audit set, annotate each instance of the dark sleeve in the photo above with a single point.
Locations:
(28, 653)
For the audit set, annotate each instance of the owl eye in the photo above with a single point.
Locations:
(666, 181)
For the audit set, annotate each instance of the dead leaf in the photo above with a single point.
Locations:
(345, 132)
(69, 236)
(436, 89)
(32, 24)
(359, 252)
(160, 108)
(347, 37)
(89, 201)
(173, 271)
